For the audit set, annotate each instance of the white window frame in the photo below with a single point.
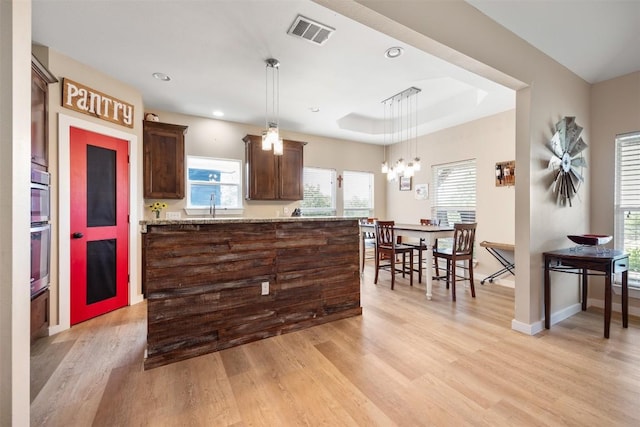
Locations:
(191, 209)
(332, 186)
(627, 203)
(449, 198)
(358, 175)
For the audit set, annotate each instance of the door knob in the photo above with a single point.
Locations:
(77, 235)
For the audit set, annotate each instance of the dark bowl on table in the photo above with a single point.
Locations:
(590, 239)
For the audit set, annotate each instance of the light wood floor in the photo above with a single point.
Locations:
(406, 361)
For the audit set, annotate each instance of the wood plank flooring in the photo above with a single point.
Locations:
(405, 362)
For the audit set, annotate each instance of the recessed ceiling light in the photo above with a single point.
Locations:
(314, 109)
(218, 113)
(161, 76)
(394, 52)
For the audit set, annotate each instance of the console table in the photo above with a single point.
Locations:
(585, 261)
(495, 249)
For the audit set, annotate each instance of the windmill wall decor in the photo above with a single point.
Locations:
(567, 161)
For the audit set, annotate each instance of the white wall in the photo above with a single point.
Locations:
(15, 164)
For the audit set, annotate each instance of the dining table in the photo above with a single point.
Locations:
(428, 233)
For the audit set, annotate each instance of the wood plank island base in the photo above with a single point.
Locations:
(203, 280)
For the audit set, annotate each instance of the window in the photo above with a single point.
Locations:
(319, 192)
(454, 195)
(358, 194)
(627, 202)
(217, 178)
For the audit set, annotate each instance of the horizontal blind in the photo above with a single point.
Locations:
(454, 196)
(627, 201)
(358, 193)
(319, 192)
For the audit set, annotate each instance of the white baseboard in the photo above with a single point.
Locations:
(507, 283)
(137, 299)
(633, 311)
(565, 313)
(633, 292)
(558, 316)
(56, 329)
(525, 328)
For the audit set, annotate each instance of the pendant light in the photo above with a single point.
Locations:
(416, 161)
(404, 117)
(384, 168)
(408, 169)
(271, 135)
(278, 147)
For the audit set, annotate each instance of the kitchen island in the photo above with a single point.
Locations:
(211, 283)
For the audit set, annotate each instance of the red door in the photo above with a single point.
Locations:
(99, 224)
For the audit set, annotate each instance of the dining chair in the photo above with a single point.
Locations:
(420, 246)
(461, 250)
(369, 239)
(386, 250)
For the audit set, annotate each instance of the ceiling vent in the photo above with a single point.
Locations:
(310, 30)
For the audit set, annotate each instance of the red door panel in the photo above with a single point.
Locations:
(99, 224)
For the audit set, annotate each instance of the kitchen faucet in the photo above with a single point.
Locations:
(212, 206)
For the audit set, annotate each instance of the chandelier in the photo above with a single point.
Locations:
(271, 135)
(401, 117)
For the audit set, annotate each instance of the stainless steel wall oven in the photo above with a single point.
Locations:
(40, 231)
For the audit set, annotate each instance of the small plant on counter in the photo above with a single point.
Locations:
(157, 207)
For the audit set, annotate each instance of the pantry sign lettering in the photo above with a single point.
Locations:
(83, 99)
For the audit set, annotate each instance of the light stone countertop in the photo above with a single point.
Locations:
(205, 220)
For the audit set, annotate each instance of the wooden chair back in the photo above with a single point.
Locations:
(385, 233)
(368, 234)
(463, 238)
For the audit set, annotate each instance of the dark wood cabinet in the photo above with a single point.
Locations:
(40, 79)
(163, 161)
(271, 177)
(40, 315)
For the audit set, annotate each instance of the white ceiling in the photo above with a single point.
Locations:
(596, 39)
(214, 52)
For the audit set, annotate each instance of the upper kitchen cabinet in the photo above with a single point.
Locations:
(271, 177)
(40, 79)
(163, 161)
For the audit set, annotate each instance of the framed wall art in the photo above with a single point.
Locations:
(422, 191)
(405, 183)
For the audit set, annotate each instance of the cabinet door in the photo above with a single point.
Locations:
(262, 179)
(38, 119)
(163, 161)
(291, 171)
(40, 315)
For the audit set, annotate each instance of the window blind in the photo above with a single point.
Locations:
(358, 194)
(627, 202)
(319, 192)
(454, 195)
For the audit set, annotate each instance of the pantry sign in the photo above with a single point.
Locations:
(83, 99)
